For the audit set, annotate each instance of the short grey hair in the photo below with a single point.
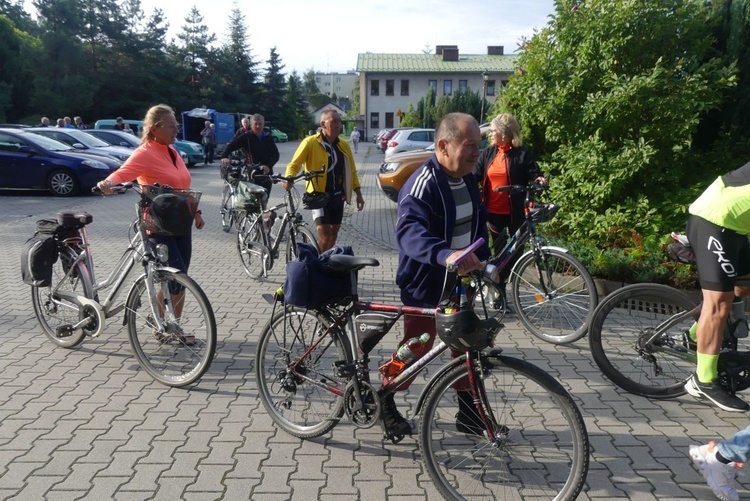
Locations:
(448, 126)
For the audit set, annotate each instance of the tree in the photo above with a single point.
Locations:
(612, 113)
(297, 102)
(239, 89)
(195, 53)
(275, 107)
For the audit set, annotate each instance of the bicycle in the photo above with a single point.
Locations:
(237, 171)
(529, 437)
(639, 339)
(553, 293)
(173, 335)
(257, 247)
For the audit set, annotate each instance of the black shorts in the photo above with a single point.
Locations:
(332, 213)
(721, 254)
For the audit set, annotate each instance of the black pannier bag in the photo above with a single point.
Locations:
(310, 281)
(37, 259)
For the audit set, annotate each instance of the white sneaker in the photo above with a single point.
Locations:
(721, 477)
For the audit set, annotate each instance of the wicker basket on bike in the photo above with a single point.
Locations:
(167, 211)
(463, 330)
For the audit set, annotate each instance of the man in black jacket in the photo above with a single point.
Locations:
(258, 147)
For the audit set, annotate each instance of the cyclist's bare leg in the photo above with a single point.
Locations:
(327, 235)
(712, 321)
(178, 301)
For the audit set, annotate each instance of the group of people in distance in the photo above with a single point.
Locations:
(450, 202)
(65, 122)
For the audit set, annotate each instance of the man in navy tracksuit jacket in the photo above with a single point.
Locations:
(439, 213)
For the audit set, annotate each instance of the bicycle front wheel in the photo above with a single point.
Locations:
(554, 295)
(632, 346)
(254, 254)
(296, 373)
(227, 208)
(183, 353)
(300, 234)
(55, 314)
(541, 449)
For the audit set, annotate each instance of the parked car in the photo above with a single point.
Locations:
(83, 142)
(192, 153)
(32, 161)
(14, 126)
(382, 141)
(276, 134)
(377, 135)
(410, 139)
(124, 139)
(397, 168)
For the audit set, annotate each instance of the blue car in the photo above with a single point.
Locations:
(31, 161)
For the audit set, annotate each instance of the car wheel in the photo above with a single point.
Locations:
(62, 183)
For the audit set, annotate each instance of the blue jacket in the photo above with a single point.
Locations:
(424, 229)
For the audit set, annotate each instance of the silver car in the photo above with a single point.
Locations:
(409, 140)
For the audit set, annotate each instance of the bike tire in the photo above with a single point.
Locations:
(254, 255)
(543, 452)
(300, 408)
(618, 336)
(562, 314)
(228, 213)
(54, 313)
(182, 354)
(300, 234)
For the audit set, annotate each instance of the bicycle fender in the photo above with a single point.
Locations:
(444, 369)
(138, 279)
(543, 248)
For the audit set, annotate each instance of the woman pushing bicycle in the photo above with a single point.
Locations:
(156, 161)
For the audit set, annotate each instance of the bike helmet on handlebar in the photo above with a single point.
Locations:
(463, 330)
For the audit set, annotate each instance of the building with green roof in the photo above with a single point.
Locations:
(388, 83)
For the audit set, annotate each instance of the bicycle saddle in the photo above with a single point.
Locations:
(341, 262)
(74, 219)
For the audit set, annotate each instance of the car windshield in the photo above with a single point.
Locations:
(120, 138)
(46, 142)
(87, 139)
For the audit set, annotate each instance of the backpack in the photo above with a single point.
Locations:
(37, 259)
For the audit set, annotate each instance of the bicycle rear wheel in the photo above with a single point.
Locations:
(228, 214)
(300, 234)
(55, 314)
(541, 450)
(254, 254)
(183, 353)
(296, 377)
(554, 295)
(620, 333)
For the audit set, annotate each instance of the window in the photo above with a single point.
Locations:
(432, 84)
(421, 135)
(404, 87)
(462, 86)
(374, 120)
(490, 87)
(375, 88)
(389, 120)
(448, 87)
(389, 85)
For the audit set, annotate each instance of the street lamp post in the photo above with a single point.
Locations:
(485, 77)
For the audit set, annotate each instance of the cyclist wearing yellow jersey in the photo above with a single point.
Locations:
(718, 231)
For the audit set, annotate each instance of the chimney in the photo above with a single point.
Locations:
(494, 50)
(440, 48)
(450, 54)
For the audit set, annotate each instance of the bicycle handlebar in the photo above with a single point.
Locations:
(116, 189)
(519, 188)
(302, 175)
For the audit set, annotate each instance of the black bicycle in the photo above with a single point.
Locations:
(238, 171)
(257, 242)
(553, 293)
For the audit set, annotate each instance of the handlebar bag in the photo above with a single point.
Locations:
(310, 281)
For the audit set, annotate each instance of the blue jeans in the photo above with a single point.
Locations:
(736, 448)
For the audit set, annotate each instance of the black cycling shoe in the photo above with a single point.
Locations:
(395, 426)
(716, 394)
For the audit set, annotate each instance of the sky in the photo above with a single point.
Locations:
(327, 35)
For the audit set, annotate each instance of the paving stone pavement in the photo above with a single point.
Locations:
(88, 423)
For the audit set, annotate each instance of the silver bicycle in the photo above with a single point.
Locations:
(170, 322)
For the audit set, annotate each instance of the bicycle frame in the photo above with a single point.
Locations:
(115, 279)
(344, 319)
